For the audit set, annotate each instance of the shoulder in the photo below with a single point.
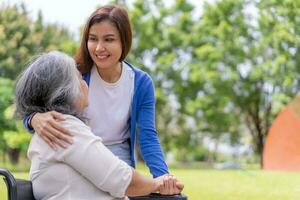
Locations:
(76, 126)
(70, 119)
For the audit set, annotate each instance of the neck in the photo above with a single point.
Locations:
(111, 75)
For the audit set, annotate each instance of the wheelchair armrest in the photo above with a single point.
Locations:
(11, 184)
(156, 196)
(17, 189)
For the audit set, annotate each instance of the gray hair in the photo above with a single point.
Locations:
(50, 82)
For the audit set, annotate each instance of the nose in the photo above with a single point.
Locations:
(99, 46)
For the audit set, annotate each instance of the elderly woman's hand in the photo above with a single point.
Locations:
(169, 185)
(47, 127)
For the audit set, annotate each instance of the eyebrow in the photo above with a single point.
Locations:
(108, 35)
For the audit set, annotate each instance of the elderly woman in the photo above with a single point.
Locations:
(87, 169)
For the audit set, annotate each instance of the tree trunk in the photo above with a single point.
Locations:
(4, 154)
(3, 157)
(13, 155)
(257, 131)
(260, 148)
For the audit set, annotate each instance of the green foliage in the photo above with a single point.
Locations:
(161, 46)
(18, 138)
(232, 67)
(6, 98)
(21, 38)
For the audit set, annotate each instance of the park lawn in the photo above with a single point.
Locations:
(209, 184)
(228, 184)
(239, 185)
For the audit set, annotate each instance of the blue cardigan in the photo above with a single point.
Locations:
(143, 118)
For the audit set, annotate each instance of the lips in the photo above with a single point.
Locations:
(101, 57)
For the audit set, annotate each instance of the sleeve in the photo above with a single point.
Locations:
(147, 135)
(94, 161)
(26, 123)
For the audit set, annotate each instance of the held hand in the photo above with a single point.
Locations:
(47, 127)
(169, 185)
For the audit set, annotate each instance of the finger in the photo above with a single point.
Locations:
(158, 185)
(56, 138)
(50, 134)
(60, 132)
(170, 184)
(60, 128)
(57, 141)
(180, 186)
(57, 115)
(167, 184)
(52, 145)
(62, 144)
(47, 126)
(163, 189)
(165, 181)
(174, 188)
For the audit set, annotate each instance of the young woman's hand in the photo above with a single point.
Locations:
(169, 185)
(47, 127)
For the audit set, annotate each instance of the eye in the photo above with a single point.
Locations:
(109, 39)
(92, 38)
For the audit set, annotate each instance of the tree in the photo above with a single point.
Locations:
(21, 38)
(244, 67)
(275, 63)
(161, 40)
(17, 139)
(6, 99)
(235, 65)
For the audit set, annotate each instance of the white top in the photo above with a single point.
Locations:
(85, 170)
(110, 106)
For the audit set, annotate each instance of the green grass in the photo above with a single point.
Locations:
(228, 184)
(239, 185)
(209, 184)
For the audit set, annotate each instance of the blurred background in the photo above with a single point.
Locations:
(226, 74)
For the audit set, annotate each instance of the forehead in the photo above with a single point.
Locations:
(103, 28)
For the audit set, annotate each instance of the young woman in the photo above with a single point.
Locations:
(121, 96)
(86, 169)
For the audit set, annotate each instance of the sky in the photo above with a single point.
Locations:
(70, 13)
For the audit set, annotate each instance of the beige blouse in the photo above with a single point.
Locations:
(85, 170)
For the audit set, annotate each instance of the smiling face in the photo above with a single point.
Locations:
(104, 45)
(116, 18)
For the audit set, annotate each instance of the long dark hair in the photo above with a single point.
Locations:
(118, 17)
